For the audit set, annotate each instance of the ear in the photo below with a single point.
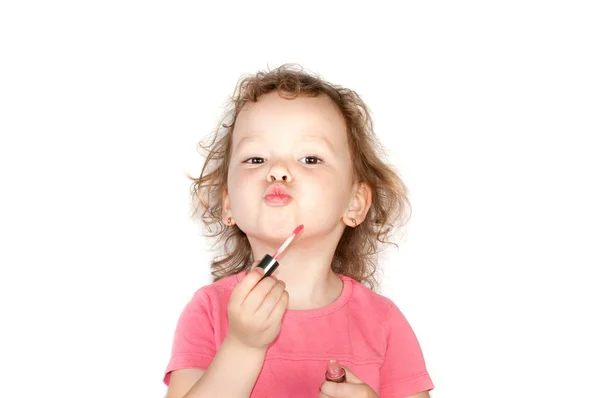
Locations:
(359, 205)
(225, 207)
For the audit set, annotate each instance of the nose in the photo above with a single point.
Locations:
(272, 178)
(278, 172)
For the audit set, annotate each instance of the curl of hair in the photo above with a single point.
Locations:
(357, 252)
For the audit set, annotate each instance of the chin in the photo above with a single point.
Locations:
(278, 229)
(272, 228)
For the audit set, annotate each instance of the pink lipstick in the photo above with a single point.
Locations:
(335, 372)
(269, 263)
(277, 200)
(277, 195)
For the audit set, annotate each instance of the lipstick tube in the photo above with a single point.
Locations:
(269, 264)
(335, 372)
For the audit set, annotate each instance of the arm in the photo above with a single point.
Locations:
(254, 313)
(231, 374)
(423, 394)
(404, 372)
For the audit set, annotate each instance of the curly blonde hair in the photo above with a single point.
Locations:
(357, 250)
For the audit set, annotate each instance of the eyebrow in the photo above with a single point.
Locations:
(246, 138)
(312, 137)
(323, 140)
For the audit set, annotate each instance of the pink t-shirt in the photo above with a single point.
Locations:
(365, 331)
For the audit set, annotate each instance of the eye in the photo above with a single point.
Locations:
(254, 160)
(312, 160)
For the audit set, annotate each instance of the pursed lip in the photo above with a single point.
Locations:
(277, 190)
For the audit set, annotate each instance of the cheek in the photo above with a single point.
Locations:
(239, 186)
(239, 178)
(330, 194)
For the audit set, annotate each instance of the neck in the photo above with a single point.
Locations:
(305, 267)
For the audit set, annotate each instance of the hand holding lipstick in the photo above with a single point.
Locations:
(352, 388)
(255, 310)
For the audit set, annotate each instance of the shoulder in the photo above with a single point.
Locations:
(208, 305)
(369, 300)
(216, 293)
(370, 306)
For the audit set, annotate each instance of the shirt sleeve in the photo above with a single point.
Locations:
(403, 372)
(194, 339)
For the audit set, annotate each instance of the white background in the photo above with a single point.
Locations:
(490, 111)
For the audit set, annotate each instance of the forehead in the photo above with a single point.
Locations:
(276, 117)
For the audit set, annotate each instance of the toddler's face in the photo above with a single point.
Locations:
(301, 145)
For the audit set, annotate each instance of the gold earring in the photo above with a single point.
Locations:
(229, 221)
(353, 222)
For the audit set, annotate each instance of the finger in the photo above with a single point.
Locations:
(340, 390)
(280, 307)
(323, 395)
(245, 286)
(257, 295)
(270, 300)
(351, 377)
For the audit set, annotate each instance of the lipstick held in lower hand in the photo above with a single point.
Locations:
(335, 372)
(268, 263)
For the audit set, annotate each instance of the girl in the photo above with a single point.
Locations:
(297, 151)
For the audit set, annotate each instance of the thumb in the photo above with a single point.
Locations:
(351, 377)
